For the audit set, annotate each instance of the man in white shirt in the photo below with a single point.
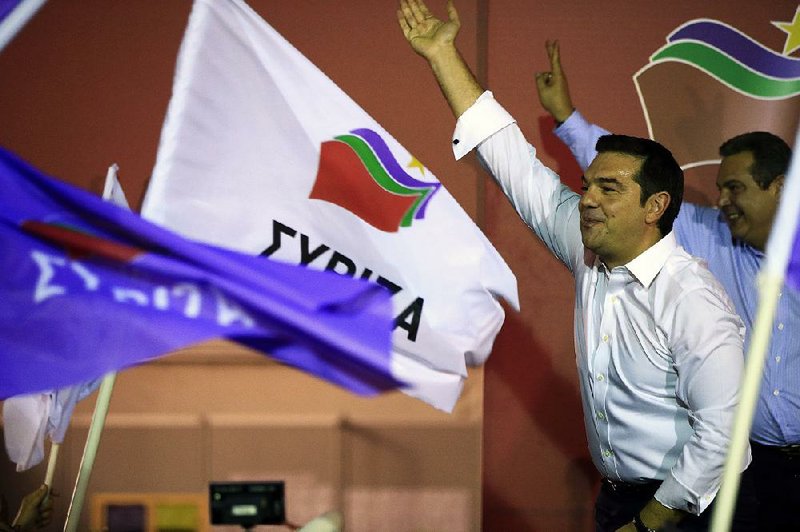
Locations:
(659, 347)
(731, 237)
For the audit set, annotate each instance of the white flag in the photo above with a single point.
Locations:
(263, 153)
(28, 419)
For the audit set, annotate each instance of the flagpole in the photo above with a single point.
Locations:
(51, 465)
(89, 452)
(16, 19)
(769, 292)
(103, 397)
(771, 279)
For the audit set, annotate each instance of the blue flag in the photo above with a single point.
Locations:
(88, 287)
(6, 7)
(793, 268)
(14, 14)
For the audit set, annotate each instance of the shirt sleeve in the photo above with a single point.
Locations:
(700, 229)
(706, 342)
(580, 137)
(548, 207)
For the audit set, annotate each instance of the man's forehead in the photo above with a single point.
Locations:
(614, 165)
(738, 166)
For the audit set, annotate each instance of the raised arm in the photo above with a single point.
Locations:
(434, 40)
(546, 205)
(552, 86)
(553, 90)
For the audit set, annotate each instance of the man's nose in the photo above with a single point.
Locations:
(724, 198)
(588, 198)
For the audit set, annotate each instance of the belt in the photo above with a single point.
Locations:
(789, 451)
(630, 488)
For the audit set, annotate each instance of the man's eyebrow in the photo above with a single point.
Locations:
(606, 181)
(728, 182)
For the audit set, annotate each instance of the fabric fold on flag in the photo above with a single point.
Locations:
(263, 153)
(113, 290)
(28, 419)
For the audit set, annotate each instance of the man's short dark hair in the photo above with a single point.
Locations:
(659, 172)
(771, 154)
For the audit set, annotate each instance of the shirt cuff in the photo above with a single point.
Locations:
(574, 124)
(484, 118)
(673, 494)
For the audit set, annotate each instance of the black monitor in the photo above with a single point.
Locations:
(247, 503)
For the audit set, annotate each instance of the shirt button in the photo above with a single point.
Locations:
(613, 299)
(776, 392)
(456, 141)
(777, 358)
(607, 453)
(780, 326)
(605, 338)
(601, 416)
(600, 377)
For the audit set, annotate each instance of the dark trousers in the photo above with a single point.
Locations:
(616, 507)
(776, 486)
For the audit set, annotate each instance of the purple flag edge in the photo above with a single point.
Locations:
(793, 268)
(106, 214)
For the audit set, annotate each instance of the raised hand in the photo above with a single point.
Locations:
(426, 33)
(552, 86)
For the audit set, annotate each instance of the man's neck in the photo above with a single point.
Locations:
(612, 262)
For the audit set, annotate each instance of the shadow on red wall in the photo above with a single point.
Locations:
(537, 404)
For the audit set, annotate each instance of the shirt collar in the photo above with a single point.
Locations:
(646, 266)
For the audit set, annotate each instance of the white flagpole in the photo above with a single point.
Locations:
(769, 290)
(51, 465)
(89, 453)
(111, 192)
(771, 278)
(15, 20)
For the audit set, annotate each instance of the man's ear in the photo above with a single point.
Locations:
(777, 185)
(655, 207)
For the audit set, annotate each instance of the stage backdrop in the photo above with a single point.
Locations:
(86, 84)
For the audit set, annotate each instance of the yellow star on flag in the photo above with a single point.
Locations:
(793, 30)
(416, 164)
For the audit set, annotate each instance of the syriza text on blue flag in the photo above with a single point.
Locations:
(88, 287)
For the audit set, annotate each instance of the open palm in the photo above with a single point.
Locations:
(424, 31)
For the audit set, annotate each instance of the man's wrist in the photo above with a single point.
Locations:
(443, 53)
(654, 516)
(641, 527)
(563, 117)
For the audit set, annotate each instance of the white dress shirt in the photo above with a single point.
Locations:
(658, 344)
(703, 232)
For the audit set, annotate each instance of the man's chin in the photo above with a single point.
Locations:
(588, 242)
(737, 227)
(589, 232)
